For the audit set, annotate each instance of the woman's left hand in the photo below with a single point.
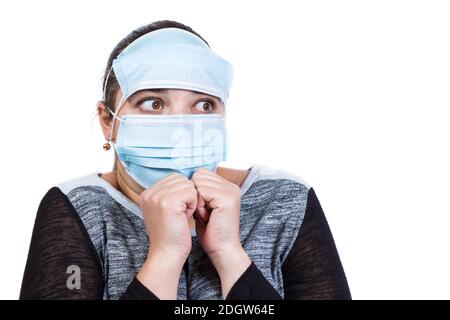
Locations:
(217, 225)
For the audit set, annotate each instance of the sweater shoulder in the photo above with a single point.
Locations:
(274, 207)
(273, 182)
(103, 210)
(93, 191)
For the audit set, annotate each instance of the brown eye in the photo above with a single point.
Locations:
(150, 104)
(204, 106)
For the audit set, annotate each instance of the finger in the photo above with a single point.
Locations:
(210, 184)
(160, 184)
(171, 179)
(200, 228)
(174, 188)
(202, 211)
(208, 194)
(191, 205)
(199, 179)
(204, 172)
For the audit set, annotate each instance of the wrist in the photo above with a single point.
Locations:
(230, 264)
(224, 257)
(161, 275)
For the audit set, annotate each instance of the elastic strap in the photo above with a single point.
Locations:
(115, 116)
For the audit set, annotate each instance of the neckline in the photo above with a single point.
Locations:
(133, 207)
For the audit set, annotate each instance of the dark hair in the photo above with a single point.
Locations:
(113, 86)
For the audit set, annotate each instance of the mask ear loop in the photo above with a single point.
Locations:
(115, 116)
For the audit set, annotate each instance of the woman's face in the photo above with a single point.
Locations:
(162, 102)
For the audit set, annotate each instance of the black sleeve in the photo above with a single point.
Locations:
(252, 285)
(62, 261)
(312, 269)
(137, 291)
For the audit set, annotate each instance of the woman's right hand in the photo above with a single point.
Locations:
(166, 207)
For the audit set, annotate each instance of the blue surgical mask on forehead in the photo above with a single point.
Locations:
(171, 58)
(152, 146)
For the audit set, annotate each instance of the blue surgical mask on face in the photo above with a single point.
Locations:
(150, 147)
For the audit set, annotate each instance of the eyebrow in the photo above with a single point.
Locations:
(137, 93)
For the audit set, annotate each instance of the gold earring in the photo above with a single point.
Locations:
(106, 146)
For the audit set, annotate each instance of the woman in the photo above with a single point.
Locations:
(167, 222)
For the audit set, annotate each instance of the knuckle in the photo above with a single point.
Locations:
(176, 175)
(143, 197)
(236, 189)
(165, 202)
(200, 189)
(191, 183)
(196, 173)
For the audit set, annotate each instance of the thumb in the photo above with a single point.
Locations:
(202, 211)
(200, 226)
(191, 204)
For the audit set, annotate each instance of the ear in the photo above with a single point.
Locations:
(104, 118)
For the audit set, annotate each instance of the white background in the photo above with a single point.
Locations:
(352, 96)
